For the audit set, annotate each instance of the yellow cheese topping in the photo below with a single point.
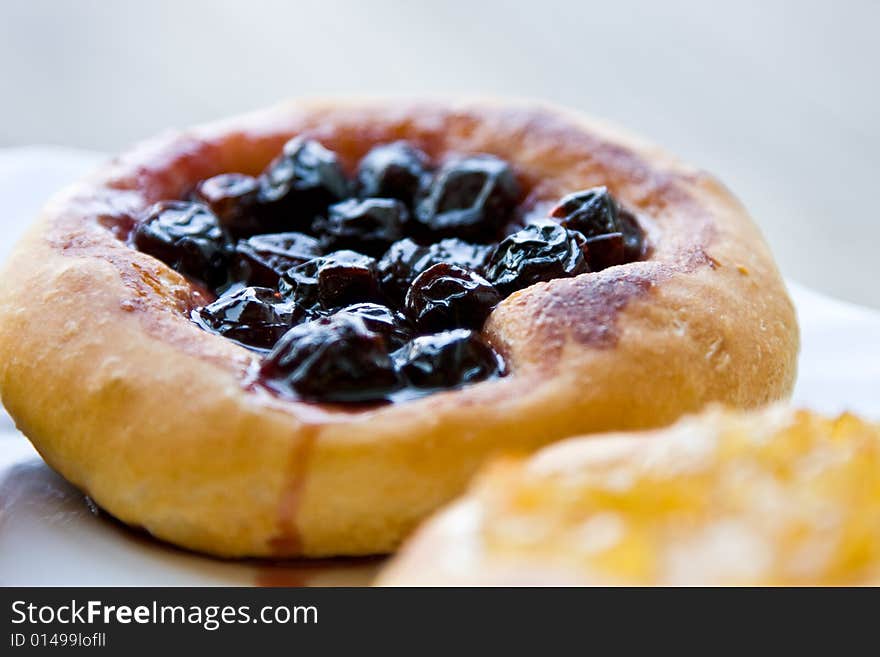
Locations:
(778, 497)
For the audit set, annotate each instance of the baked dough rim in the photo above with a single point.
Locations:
(152, 417)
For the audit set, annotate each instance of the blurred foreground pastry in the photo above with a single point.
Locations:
(780, 497)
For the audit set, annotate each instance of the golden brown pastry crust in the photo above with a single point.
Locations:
(129, 400)
(776, 497)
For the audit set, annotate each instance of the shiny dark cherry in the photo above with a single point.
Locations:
(300, 184)
(333, 359)
(448, 359)
(390, 324)
(470, 198)
(541, 251)
(332, 281)
(392, 170)
(613, 234)
(406, 259)
(232, 197)
(368, 226)
(188, 238)
(375, 289)
(446, 296)
(252, 316)
(262, 259)
(591, 212)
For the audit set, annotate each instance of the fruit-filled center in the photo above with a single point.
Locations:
(375, 287)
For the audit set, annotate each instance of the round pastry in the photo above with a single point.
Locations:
(779, 497)
(300, 331)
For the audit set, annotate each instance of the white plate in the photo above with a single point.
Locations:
(50, 536)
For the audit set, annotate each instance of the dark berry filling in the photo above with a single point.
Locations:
(392, 171)
(405, 260)
(605, 251)
(300, 184)
(375, 289)
(187, 237)
(368, 226)
(335, 358)
(446, 296)
(611, 231)
(470, 198)
(591, 212)
(390, 324)
(634, 244)
(233, 198)
(332, 281)
(262, 259)
(541, 251)
(252, 316)
(448, 359)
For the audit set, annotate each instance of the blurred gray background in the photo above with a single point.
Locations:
(779, 99)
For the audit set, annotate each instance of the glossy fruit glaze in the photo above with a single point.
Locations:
(375, 287)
